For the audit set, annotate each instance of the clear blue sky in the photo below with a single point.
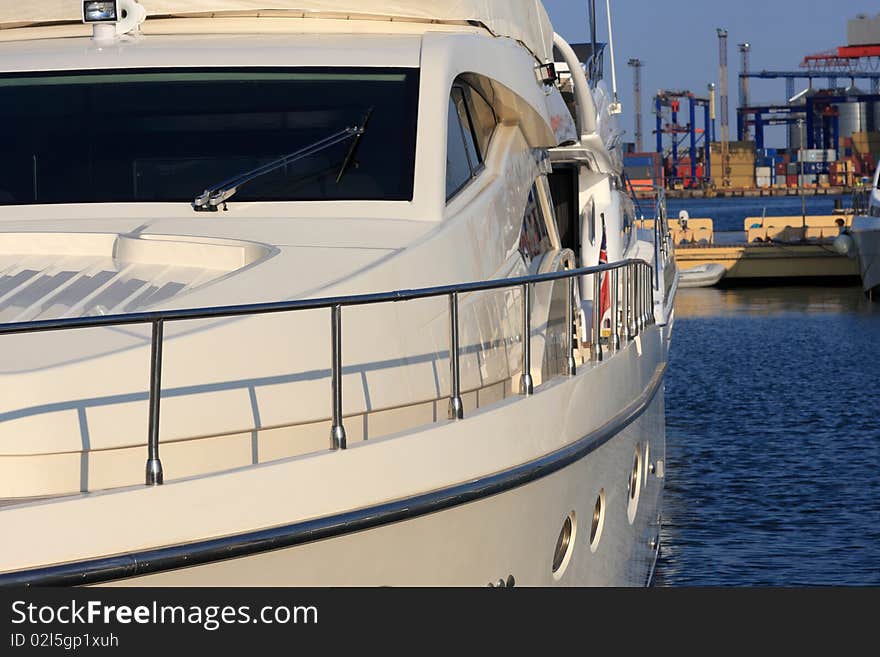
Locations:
(676, 40)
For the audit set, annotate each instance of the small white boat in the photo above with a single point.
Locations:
(702, 275)
(862, 240)
(865, 232)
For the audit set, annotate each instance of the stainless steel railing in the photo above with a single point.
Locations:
(631, 310)
(661, 234)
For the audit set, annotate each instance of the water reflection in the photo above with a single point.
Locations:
(715, 302)
(773, 439)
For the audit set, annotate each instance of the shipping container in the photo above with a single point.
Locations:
(735, 146)
(639, 161)
(815, 167)
(807, 180)
(743, 167)
(642, 185)
(810, 155)
(639, 172)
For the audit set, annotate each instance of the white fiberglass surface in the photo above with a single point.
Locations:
(47, 287)
(48, 275)
(523, 20)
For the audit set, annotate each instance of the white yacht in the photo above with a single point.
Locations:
(865, 233)
(302, 293)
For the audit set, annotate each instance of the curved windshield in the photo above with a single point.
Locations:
(170, 134)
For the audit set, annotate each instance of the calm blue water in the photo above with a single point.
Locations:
(773, 439)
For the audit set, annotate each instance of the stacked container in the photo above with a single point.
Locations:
(742, 164)
(813, 166)
(766, 163)
(644, 170)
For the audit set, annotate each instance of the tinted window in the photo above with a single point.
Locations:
(168, 134)
(458, 168)
(483, 119)
(467, 129)
(534, 239)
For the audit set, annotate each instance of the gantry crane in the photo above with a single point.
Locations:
(672, 100)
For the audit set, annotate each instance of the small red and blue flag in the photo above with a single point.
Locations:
(605, 289)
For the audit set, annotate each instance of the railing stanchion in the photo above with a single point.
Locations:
(655, 278)
(596, 338)
(636, 290)
(637, 294)
(615, 310)
(154, 475)
(626, 309)
(456, 407)
(337, 430)
(637, 312)
(643, 286)
(527, 386)
(569, 323)
(632, 322)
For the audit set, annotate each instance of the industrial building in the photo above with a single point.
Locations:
(832, 126)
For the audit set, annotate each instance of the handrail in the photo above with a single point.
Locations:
(225, 312)
(661, 233)
(631, 310)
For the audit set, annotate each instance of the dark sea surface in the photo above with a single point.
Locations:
(773, 438)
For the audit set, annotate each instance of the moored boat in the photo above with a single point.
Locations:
(349, 288)
(705, 275)
(865, 233)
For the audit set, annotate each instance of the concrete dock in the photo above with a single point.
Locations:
(779, 249)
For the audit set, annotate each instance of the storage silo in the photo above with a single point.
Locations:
(855, 115)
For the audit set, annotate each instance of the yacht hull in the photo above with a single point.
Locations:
(599, 435)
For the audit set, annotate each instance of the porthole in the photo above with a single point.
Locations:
(635, 485)
(509, 583)
(634, 479)
(598, 521)
(564, 546)
(647, 460)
